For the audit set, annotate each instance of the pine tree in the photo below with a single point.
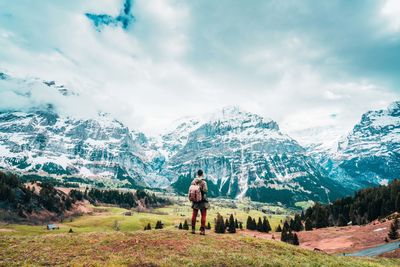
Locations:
(148, 226)
(393, 234)
(185, 225)
(308, 225)
(266, 227)
(208, 226)
(296, 224)
(341, 220)
(159, 225)
(259, 225)
(254, 225)
(180, 226)
(397, 204)
(291, 224)
(220, 227)
(249, 223)
(236, 224)
(226, 223)
(231, 225)
(295, 240)
(278, 229)
(240, 226)
(285, 232)
(321, 216)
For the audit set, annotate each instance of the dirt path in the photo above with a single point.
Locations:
(345, 239)
(336, 240)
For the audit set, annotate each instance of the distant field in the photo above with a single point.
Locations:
(163, 248)
(104, 219)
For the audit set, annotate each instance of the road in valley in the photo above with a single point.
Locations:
(375, 251)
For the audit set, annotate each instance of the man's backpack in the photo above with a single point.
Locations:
(195, 193)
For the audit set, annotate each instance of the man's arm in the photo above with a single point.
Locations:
(204, 186)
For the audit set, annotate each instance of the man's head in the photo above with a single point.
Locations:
(200, 173)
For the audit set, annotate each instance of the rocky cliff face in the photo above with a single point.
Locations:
(101, 149)
(370, 153)
(246, 155)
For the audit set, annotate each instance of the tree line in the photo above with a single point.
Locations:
(261, 225)
(364, 207)
(124, 199)
(230, 225)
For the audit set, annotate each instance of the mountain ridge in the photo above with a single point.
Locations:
(243, 154)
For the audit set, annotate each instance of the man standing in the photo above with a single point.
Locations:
(198, 196)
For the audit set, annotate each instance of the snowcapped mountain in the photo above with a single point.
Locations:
(244, 154)
(95, 150)
(24, 86)
(100, 149)
(370, 153)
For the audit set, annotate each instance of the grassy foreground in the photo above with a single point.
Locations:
(162, 248)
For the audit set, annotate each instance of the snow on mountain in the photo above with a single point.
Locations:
(370, 153)
(245, 154)
(100, 149)
(24, 86)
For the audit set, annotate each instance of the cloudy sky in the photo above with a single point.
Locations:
(302, 63)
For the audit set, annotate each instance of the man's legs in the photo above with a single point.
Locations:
(194, 217)
(203, 221)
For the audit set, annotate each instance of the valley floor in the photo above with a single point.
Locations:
(163, 248)
(106, 236)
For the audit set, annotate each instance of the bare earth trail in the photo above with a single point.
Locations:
(356, 240)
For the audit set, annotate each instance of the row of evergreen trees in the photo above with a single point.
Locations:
(365, 206)
(230, 225)
(288, 236)
(261, 225)
(127, 199)
(159, 225)
(185, 226)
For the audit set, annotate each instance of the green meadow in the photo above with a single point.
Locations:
(105, 219)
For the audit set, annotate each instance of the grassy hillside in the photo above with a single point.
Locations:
(163, 248)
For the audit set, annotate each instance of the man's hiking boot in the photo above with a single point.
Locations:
(202, 231)
(193, 230)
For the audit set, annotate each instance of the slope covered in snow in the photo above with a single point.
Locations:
(246, 155)
(370, 153)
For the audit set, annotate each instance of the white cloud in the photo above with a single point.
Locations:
(145, 76)
(391, 11)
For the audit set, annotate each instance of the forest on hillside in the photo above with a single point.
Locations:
(23, 199)
(365, 206)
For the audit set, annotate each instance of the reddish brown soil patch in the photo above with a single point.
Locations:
(271, 236)
(335, 240)
(345, 239)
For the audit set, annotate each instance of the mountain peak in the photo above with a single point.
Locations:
(235, 116)
(394, 108)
